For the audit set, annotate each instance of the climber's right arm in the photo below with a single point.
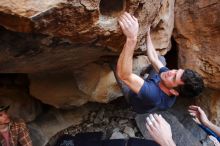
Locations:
(152, 54)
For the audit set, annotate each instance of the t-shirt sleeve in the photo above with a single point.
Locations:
(149, 94)
(163, 69)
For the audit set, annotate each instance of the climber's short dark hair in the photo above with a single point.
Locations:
(193, 84)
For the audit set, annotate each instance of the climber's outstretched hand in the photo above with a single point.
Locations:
(129, 25)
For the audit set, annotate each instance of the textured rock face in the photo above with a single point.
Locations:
(80, 21)
(31, 53)
(63, 44)
(81, 26)
(197, 33)
(209, 101)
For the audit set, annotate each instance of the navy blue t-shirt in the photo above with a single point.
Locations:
(150, 96)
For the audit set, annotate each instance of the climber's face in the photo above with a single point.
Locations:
(4, 118)
(172, 78)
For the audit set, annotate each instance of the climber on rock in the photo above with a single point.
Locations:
(160, 89)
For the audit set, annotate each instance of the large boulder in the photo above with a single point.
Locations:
(94, 82)
(75, 32)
